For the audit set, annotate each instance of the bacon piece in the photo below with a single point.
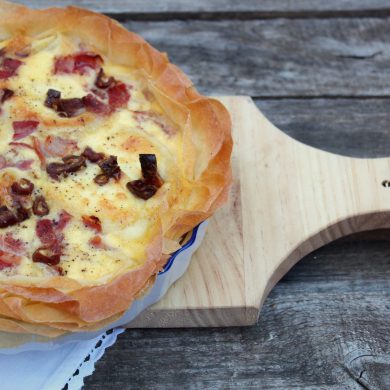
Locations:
(118, 96)
(55, 230)
(9, 68)
(77, 63)
(93, 104)
(59, 147)
(24, 52)
(12, 245)
(23, 165)
(46, 232)
(23, 129)
(50, 234)
(97, 242)
(8, 260)
(85, 61)
(11, 250)
(3, 162)
(63, 220)
(3, 264)
(92, 222)
(166, 127)
(39, 151)
(64, 64)
(22, 145)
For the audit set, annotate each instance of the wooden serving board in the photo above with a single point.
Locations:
(287, 199)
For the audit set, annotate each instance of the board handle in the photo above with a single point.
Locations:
(301, 199)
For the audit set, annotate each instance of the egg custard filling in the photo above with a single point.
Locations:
(87, 158)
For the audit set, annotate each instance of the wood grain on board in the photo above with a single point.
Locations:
(288, 199)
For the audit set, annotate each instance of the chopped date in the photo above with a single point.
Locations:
(101, 179)
(40, 206)
(91, 155)
(103, 81)
(52, 98)
(22, 187)
(74, 163)
(22, 213)
(146, 187)
(7, 217)
(70, 164)
(55, 170)
(44, 255)
(110, 167)
(5, 94)
(149, 169)
(66, 108)
(142, 189)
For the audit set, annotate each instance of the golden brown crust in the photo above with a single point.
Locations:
(60, 304)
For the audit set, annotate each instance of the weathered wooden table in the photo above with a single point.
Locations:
(320, 71)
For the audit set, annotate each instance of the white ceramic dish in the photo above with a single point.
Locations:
(173, 270)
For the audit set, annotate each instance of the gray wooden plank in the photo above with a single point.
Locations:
(326, 323)
(264, 7)
(324, 326)
(279, 57)
(352, 127)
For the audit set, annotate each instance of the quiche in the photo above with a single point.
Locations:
(108, 156)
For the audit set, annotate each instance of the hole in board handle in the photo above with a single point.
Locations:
(386, 183)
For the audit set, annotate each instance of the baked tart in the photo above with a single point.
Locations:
(108, 156)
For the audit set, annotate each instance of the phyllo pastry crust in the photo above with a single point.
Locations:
(108, 156)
